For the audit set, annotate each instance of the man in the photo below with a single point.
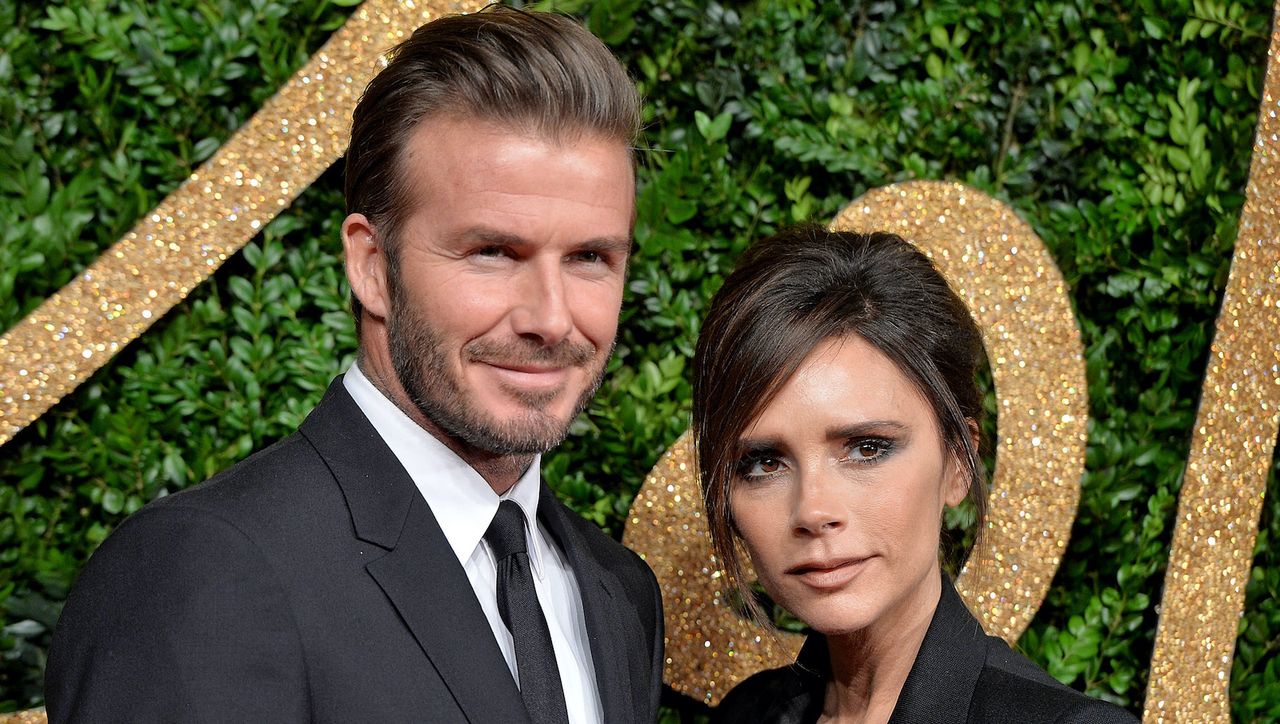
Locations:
(398, 558)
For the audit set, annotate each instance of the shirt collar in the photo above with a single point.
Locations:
(460, 499)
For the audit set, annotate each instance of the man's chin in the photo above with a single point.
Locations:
(514, 428)
(508, 404)
(523, 439)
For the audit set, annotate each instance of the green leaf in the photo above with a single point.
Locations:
(712, 129)
(112, 501)
(933, 66)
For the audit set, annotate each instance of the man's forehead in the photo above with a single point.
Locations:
(558, 135)
(464, 148)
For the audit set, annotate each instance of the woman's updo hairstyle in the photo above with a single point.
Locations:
(798, 288)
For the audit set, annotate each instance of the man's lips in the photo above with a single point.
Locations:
(529, 375)
(528, 369)
(828, 573)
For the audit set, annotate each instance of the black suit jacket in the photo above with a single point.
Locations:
(312, 582)
(960, 675)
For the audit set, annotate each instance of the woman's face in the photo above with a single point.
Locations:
(840, 489)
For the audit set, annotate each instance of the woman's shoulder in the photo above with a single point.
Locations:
(960, 667)
(1012, 688)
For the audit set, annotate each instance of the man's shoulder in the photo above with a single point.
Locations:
(633, 574)
(286, 469)
(200, 577)
(255, 500)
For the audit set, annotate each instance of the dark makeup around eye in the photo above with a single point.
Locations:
(893, 435)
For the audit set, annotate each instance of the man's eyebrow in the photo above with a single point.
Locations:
(485, 235)
(614, 244)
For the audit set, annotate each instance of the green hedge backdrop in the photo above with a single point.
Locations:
(1121, 131)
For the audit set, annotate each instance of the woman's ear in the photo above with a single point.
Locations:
(958, 477)
(366, 262)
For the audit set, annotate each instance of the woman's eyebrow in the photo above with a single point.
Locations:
(866, 428)
(759, 445)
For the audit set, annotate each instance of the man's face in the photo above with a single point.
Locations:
(510, 277)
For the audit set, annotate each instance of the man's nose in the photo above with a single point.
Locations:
(541, 309)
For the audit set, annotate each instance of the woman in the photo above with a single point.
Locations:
(835, 416)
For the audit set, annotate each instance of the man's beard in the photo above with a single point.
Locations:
(422, 368)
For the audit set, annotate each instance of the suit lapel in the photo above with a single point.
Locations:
(431, 591)
(420, 574)
(613, 628)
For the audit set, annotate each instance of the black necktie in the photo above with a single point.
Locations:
(518, 603)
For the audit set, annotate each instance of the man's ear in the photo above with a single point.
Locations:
(958, 479)
(366, 262)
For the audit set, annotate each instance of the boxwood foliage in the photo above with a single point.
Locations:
(1121, 131)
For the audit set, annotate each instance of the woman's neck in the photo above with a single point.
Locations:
(869, 666)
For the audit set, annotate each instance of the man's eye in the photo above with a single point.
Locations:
(489, 251)
(590, 257)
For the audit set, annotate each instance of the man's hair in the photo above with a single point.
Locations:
(536, 73)
(799, 288)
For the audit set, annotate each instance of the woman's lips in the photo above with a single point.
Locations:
(828, 574)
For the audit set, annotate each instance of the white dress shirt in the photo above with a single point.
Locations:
(464, 505)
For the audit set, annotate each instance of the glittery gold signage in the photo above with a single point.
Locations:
(1231, 447)
(287, 144)
(1016, 293)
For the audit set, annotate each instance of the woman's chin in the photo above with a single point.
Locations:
(830, 620)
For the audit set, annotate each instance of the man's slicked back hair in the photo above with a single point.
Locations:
(536, 73)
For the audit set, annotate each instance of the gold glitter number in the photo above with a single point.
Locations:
(1231, 452)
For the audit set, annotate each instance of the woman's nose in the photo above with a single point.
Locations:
(817, 509)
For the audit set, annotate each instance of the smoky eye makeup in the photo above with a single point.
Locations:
(757, 461)
(865, 450)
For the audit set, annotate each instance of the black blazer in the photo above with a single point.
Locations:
(960, 675)
(311, 582)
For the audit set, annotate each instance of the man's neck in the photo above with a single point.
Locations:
(499, 471)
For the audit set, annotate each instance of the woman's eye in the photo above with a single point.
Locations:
(868, 450)
(759, 466)
(768, 465)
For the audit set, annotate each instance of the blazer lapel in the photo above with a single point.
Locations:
(613, 627)
(942, 680)
(419, 574)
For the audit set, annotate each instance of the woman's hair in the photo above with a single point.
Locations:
(796, 289)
